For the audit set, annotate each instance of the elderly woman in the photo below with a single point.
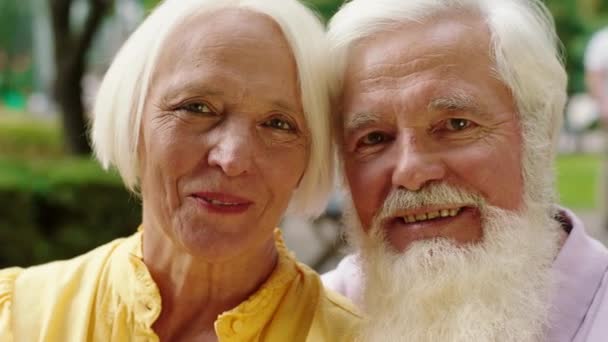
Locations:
(216, 112)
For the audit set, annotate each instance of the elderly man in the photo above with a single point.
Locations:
(448, 114)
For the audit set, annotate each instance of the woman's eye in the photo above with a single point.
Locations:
(198, 108)
(457, 124)
(373, 138)
(279, 124)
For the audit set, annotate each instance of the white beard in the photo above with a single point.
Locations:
(437, 291)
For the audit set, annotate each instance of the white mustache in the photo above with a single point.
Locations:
(434, 194)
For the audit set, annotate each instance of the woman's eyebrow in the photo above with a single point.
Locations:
(194, 88)
(284, 105)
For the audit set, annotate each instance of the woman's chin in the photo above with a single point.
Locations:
(215, 242)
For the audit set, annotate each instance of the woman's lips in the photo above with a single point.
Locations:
(222, 203)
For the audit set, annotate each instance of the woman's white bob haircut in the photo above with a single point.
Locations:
(120, 101)
(525, 50)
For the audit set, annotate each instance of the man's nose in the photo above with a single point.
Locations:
(416, 165)
(233, 150)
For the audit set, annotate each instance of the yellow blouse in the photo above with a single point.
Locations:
(108, 295)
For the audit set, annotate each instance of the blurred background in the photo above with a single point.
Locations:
(56, 202)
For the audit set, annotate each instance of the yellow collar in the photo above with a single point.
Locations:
(138, 291)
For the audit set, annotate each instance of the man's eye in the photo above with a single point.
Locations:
(373, 138)
(457, 124)
(201, 108)
(280, 124)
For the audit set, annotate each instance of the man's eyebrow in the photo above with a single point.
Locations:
(454, 103)
(359, 120)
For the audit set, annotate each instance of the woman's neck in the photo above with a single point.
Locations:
(195, 292)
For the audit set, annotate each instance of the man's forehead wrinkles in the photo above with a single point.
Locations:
(402, 65)
(401, 82)
(398, 70)
(219, 44)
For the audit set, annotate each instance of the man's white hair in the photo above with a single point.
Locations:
(524, 47)
(120, 101)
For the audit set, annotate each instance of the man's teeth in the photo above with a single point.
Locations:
(432, 215)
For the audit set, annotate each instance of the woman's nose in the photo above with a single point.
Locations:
(233, 150)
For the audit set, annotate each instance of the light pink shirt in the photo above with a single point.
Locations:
(580, 309)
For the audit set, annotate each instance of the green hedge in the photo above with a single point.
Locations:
(56, 209)
(25, 137)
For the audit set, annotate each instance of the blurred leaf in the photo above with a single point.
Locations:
(578, 179)
(149, 4)
(21, 136)
(56, 209)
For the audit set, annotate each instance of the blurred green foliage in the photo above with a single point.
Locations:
(325, 8)
(15, 50)
(578, 179)
(576, 21)
(26, 137)
(54, 207)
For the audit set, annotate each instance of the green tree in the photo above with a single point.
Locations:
(575, 22)
(15, 43)
(71, 45)
(326, 8)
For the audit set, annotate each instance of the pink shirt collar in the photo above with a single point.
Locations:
(579, 269)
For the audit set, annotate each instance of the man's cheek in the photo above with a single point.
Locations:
(366, 206)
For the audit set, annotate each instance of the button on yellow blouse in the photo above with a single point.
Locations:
(108, 295)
